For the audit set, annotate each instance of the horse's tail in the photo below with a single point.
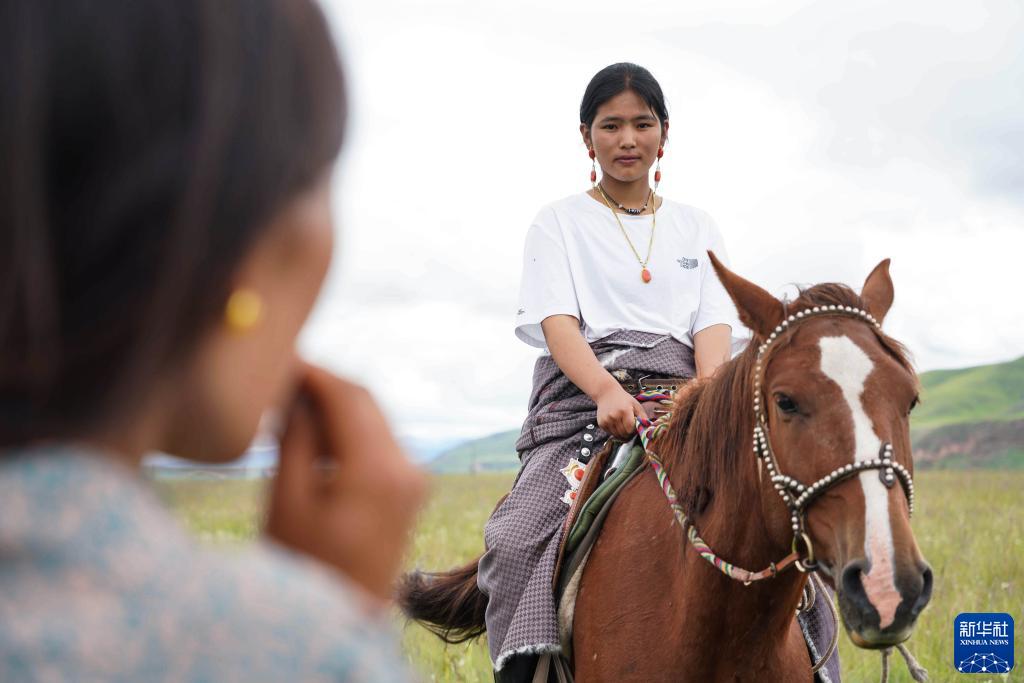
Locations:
(447, 603)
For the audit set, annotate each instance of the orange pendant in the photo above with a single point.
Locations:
(645, 275)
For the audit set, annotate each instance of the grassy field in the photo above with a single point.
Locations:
(968, 524)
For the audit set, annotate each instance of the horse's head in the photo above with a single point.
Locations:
(833, 390)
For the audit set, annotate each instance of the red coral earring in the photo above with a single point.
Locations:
(657, 168)
(593, 167)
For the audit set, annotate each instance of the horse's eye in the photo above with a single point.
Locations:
(913, 404)
(785, 403)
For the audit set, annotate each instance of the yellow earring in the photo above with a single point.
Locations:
(244, 309)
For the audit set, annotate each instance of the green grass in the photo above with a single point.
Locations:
(968, 526)
(450, 533)
(227, 510)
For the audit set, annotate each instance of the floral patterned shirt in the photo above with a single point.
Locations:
(99, 582)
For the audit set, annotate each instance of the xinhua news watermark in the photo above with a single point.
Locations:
(983, 643)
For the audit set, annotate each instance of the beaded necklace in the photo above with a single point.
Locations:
(631, 212)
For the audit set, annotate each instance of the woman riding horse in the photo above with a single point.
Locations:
(618, 290)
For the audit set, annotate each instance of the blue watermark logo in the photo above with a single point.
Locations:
(983, 643)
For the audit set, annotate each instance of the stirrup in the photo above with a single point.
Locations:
(620, 457)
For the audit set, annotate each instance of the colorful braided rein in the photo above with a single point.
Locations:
(648, 432)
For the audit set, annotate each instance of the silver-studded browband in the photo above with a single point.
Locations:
(797, 496)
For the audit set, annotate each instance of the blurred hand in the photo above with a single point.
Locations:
(344, 493)
(616, 411)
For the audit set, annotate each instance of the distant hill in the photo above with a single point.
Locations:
(987, 393)
(963, 445)
(970, 417)
(490, 453)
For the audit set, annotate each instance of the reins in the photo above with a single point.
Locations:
(796, 495)
(648, 432)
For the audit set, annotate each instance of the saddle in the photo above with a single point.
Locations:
(608, 473)
(587, 507)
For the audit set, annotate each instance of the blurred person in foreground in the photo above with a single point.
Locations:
(164, 231)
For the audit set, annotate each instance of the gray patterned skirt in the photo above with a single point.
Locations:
(523, 535)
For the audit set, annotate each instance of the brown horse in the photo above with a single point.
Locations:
(821, 395)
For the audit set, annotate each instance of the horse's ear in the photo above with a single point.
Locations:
(759, 310)
(877, 294)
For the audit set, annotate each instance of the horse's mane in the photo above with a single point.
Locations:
(709, 433)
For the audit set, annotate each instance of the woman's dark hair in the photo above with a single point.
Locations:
(618, 78)
(146, 144)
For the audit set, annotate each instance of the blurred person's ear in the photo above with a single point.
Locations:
(247, 360)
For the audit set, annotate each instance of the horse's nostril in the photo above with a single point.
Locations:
(850, 580)
(926, 592)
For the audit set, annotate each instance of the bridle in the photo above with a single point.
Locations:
(797, 496)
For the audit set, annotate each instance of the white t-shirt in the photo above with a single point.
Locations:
(577, 262)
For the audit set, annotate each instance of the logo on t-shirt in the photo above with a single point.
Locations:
(688, 263)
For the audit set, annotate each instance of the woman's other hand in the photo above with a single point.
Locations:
(345, 493)
(616, 411)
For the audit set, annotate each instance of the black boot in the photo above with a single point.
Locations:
(518, 669)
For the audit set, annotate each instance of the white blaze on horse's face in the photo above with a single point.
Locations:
(847, 365)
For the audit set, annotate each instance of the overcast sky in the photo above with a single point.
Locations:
(823, 137)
